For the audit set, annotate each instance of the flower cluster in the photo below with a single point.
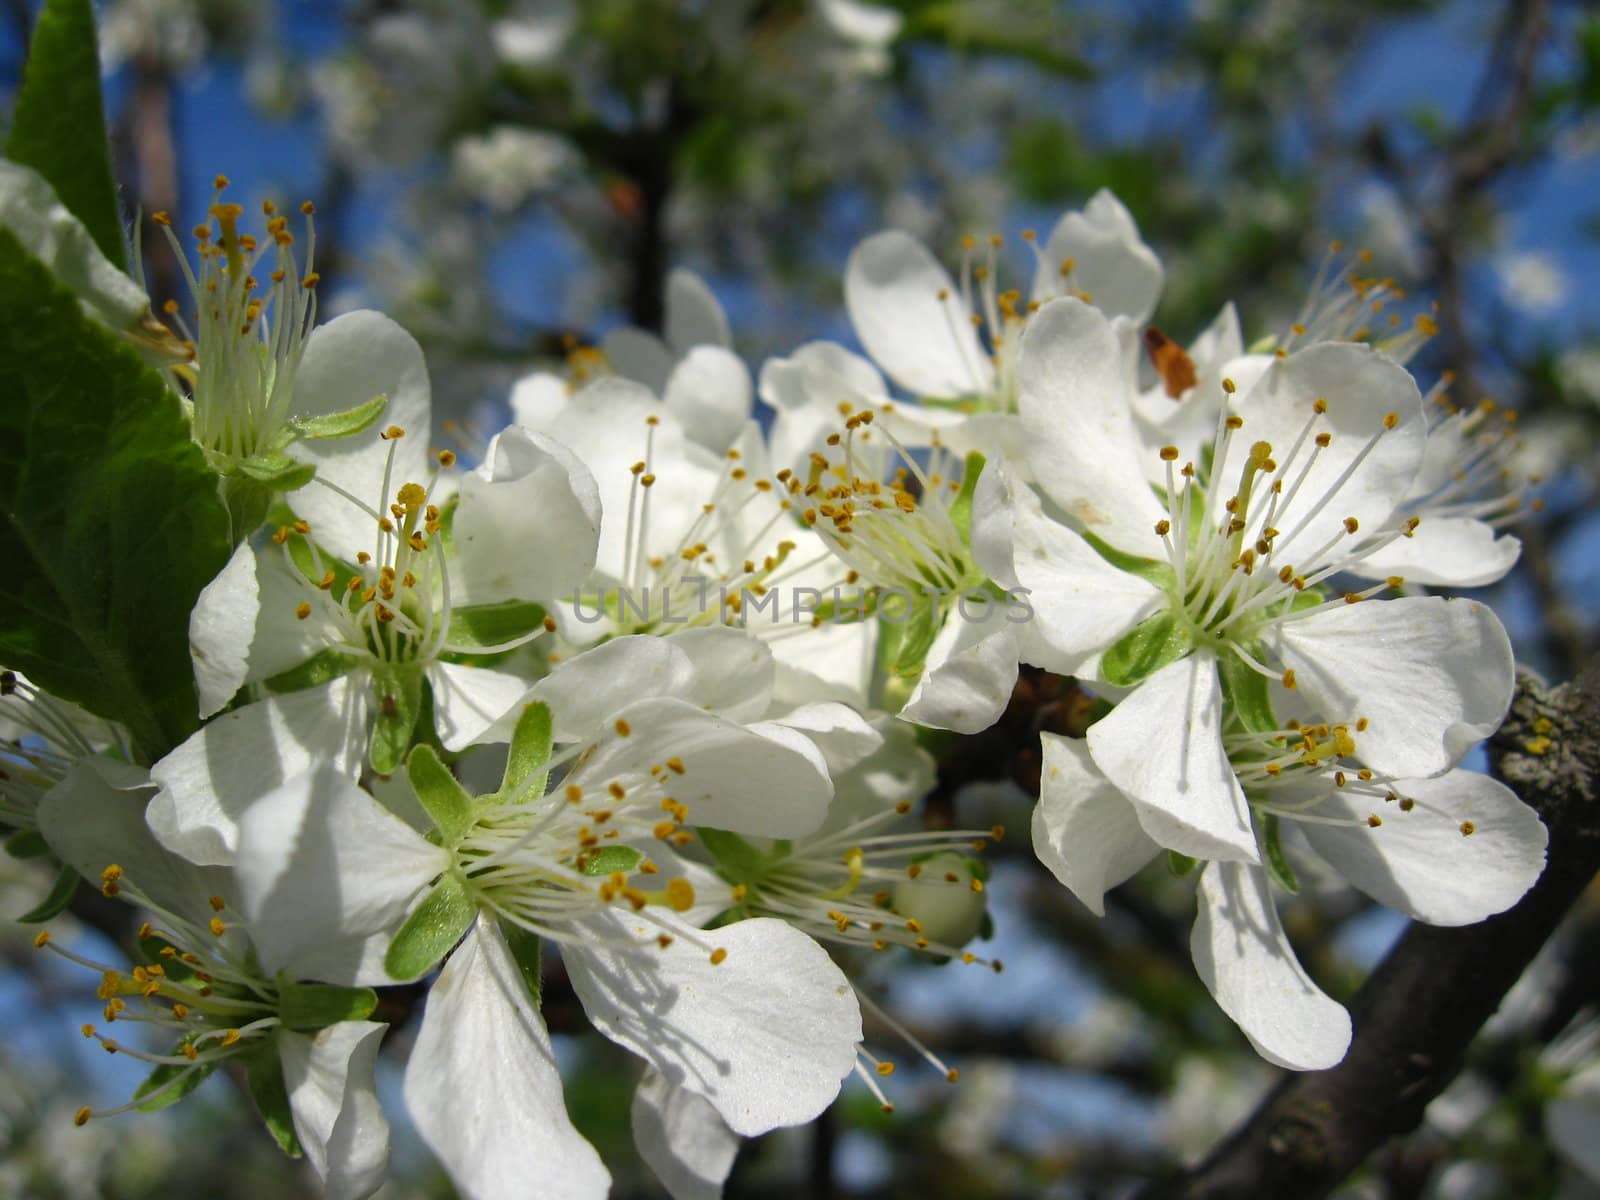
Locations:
(648, 685)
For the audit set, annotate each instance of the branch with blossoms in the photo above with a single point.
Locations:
(651, 684)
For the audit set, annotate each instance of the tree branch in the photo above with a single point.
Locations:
(1420, 1010)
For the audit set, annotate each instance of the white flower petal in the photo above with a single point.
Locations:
(539, 398)
(1110, 261)
(765, 780)
(639, 356)
(970, 671)
(1080, 604)
(209, 781)
(842, 735)
(694, 318)
(679, 1134)
(483, 1089)
(1420, 863)
(220, 630)
(347, 362)
(613, 424)
(710, 394)
(1361, 389)
(868, 24)
(469, 701)
(1084, 830)
(528, 523)
(95, 817)
(766, 1036)
(734, 671)
(334, 1103)
(326, 874)
(908, 314)
(1162, 746)
(30, 209)
(1433, 676)
(1242, 956)
(590, 688)
(1446, 552)
(1082, 445)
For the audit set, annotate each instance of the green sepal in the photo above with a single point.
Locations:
(1146, 648)
(864, 607)
(340, 424)
(162, 1077)
(1148, 569)
(447, 803)
(27, 843)
(1180, 864)
(247, 501)
(961, 506)
(263, 1074)
(1307, 598)
(278, 472)
(903, 645)
(432, 929)
(611, 860)
(528, 955)
(1278, 865)
(1247, 694)
(55, 900)
(59, 124)
(530, 750)
(737, 860)
(312, 1006)
(397, 701)
(485, 626)
(320, 668)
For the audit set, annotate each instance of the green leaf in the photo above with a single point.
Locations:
(310, 1006)
(613, 859)
(55, 901)
(447, 803)
(485, 626)
(277, 471)
(169, 1083)
(27, 843)
(1180, 864)
(433, 927)
(1146, 648)
(110, 523)
(264, 1077)
(59, 126)
(526, 952)
(1247, 694)
(1278, 865)
(340, 424)
(316, 670)
(961, 506)
(530, 751)
(397, 701)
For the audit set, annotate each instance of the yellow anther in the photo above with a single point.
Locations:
(623, 728)
(675, 765)
(680, 895)
(391, 433)
(717, 956)
(885, 1068)
(216, 926)
(1391, 420)
(1351, 524)
(1374, 820)
(81, 1117)
(1467, 828)
(41, 939)
(303, 609)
